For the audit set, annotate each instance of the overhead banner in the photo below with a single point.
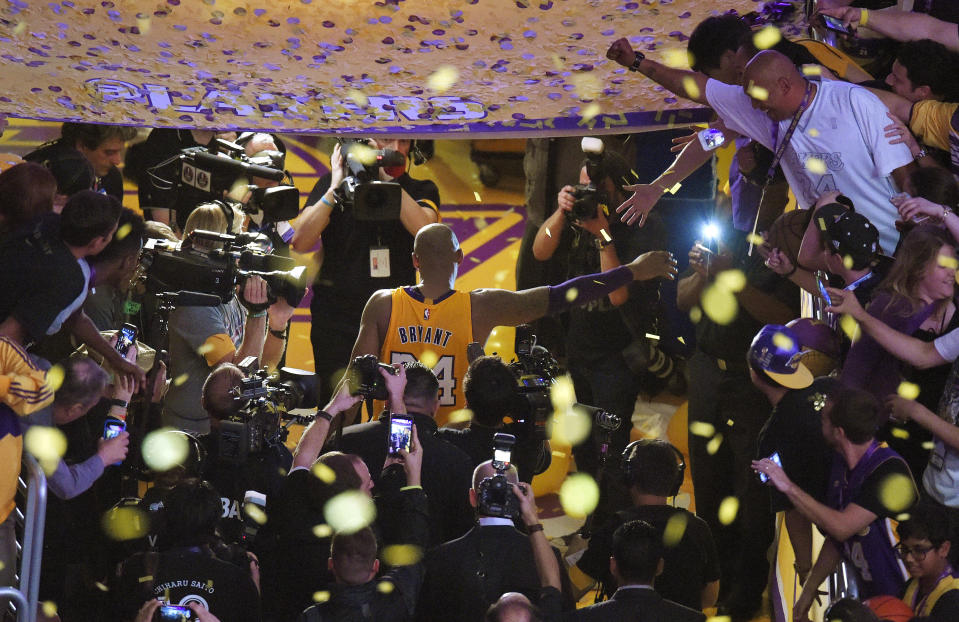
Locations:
(490, 67)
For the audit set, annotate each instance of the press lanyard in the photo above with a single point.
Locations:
(916, 607)
(777, 156)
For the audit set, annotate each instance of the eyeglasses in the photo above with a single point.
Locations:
(918, 552)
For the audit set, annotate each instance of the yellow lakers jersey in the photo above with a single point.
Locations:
(436, 333)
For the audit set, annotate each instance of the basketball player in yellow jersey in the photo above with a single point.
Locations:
(401, 324)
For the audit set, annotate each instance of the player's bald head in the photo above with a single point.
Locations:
(435, 241)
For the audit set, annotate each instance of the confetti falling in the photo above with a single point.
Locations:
(908, 390)
(897, 492)
(401, 555)
(757, 92)
(164, 449)
(349, 511)
(767, 38)
(675, 529)
(947, 261)
(815, 165)
(125, 523)
(47, 444)
(579, 495)
(728, 510)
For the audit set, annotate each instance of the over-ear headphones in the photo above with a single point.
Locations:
(227, 213)
(649, 454)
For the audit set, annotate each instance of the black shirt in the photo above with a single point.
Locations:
(687, 566)
(530, 457)
(344, 280)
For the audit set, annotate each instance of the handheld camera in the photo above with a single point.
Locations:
(401, 434)
(495, 493)
(775, 458)
(126, 337)
(502, 450)
(836, 25)
(710, 138)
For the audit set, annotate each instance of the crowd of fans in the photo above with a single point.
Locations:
(818, 383)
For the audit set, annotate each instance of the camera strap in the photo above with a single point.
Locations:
(777, 156)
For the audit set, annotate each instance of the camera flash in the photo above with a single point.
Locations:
(710, 231)
(592, 145)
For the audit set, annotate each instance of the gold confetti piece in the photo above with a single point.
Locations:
(733, 280)
(677, 58)
(767, 38)
(164, 449)
(675, 529)
(549, 233)
(755, 239)
(730, 423)
(579, 495)
(385, 586)
(815, 165)
(18, 30)
(401, 554)
(125, 523)
(899, 433)
(239, 189)
(896, 492)
(652, 336)
(461, 415)
(100, 586)
(719, 304)
(908, 390)
(719, 619)
(848, 262)
(55, 377)
(695, 314)
(928, 445)
(204, 349)
(429, 358)
(47, 444)
(691, 88)
(728, 510)
(681, 340)
(180, 379)
(358, 97)
(783, 341)
(480, 223)
(571, 426)
(362, 153)
(123, 231)
(811, 70)
(557, 62)
(605, 235)
(323, 473)
(144, 24)
(702, 428)
(813, 132)
(476, 195)
(714, 444)
(349, 511)
(850, 326)
(947, 261)
(321, 596)
(322, 530)
(562, 393)
(591, 111)
(48, 606)
(255, 512)
(675, 188)
(571, 294)
(500, 276)
(475, 259)
(757, 92)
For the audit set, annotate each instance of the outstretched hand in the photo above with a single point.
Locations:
(653, 265)
(640, 203)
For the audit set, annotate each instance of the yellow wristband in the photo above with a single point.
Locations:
(863, 17)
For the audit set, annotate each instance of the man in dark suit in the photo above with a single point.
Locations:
(446, 469)
(465, 576)
(637, 559)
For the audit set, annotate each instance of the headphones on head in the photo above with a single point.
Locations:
(227, 213)
(633, 460)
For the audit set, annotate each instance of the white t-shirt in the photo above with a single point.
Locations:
(948, 345)
(842, 128)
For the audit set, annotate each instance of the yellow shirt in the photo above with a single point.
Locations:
(436, 333)
(932, 123)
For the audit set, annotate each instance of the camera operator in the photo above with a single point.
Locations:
(491, 393)
(262, 471)
(203, 337)
(186, 568)
(465, 576)
(353, 557)
(446, 469)
(599, 329)
(358, 256)
(101, 150)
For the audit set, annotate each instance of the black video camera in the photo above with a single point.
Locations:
(265, 402)
(495, 493)
(534, 369)
(202, 174)
(365, 377)
(169, 268)
(360, 191)
(588, 198)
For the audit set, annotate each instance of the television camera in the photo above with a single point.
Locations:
(361, 191)
(165, 267)
(266, 403)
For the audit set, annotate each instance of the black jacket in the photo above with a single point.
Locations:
(635, 605)
(465, 576)
(447, 471)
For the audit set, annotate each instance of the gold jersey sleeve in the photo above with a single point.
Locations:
(435, 333)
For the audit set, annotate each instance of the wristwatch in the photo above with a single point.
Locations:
(637, 60)
(118, 402)
(922, 153)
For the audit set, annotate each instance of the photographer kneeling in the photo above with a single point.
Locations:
(203, 337)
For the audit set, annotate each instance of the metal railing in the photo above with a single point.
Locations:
(30, 516)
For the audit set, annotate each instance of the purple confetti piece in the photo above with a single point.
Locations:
(555, 96)
(545, 6)
(179, 27)
(292, 20)
(259, 12)
(685, 15)
(530, 34)
(670, 100)
(328, 24)
(518, 115)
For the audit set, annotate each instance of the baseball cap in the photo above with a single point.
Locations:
(820, 344)
(776, 351)
(848, 233)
